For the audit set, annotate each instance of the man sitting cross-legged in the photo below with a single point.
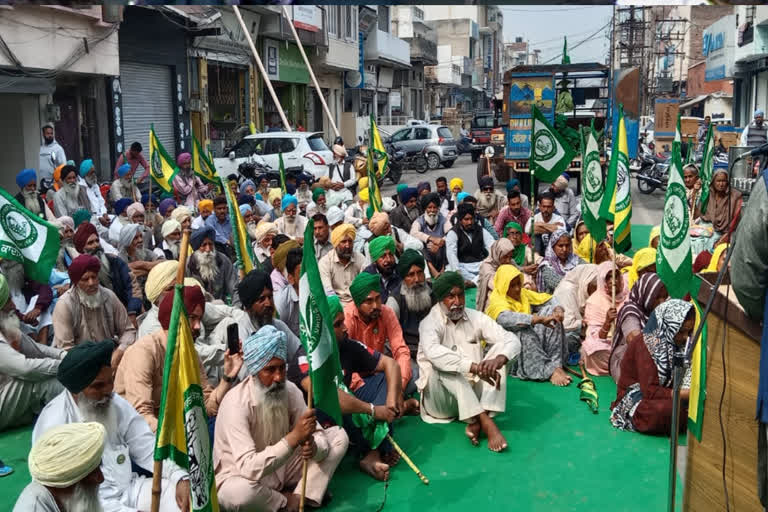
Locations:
(265, 432)
(456, 380)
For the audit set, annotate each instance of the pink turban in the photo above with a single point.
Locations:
(184, 158)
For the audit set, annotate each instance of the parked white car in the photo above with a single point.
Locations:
(301, 150)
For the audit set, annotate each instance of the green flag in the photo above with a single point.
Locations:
(163, 167)
(551, 154)
(617, 201)
(707, 168)
(689, 153)
(566, 58)
(673, 259)
(27, 239)
(202, 165)
(592, 187)
(282, 174)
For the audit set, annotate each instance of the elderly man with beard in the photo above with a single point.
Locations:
(318, 204)
(67, 251)
(65, 465)
(489, 203)
(90, 181)
(27, 369)
(413, 299)
(290, 223)
(29, 197)
(566, 203)
(262, 241)
(32, 300)
(171, 233)
(430, 229)
(456, 380)
(139, 378)
(132, 252)
(123, 186)
(119, 220)
(88, 378)
(382, 249)
(408, 211)
(183, 215)
(71, 196)
(114, 273)
(379, 225)
(88, 310)
(137, 215)
(265, 433)
(339, 267)
(214, 270)
(187, 185)
(467, 244)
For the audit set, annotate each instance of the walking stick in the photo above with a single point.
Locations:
(305, 463)
(613, 283)
(408, 460)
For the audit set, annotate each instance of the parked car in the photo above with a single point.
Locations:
(439, 141)
(301, 150)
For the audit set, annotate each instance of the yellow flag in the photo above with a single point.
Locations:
(163, 169)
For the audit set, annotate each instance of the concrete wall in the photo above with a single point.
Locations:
(20, 133)
(698, 86)
(454, 32)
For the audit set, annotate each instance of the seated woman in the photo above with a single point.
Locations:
(600, 314)
(501, 253)
(721, 213)
(692, 185)
(593, 252)
(579, 232)
(655, 237)
(524, 257)
(644, 391)
(643, 262)
(558, 260)
(647, 293)
(572, 294)
(534, 317)
(717, 259)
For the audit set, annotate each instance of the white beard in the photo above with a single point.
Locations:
(174, 247)
(92, 302)
(14, 274)
(83, 498)
(413, 213)
(431, 219)
(207, 263)
(100, 411)
(486, 200)
(71, 196)
(10, 326)
(456, 313)
(272, 413)
(30, 201)
(417, 297)
(251, 228)
(90, 181)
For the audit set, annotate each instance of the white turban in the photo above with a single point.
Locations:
(127, 234)
(334, 215)
(66, 221)
(169, 227)
(263, 229)
(159, 278)
(67, 453)
(181, 213)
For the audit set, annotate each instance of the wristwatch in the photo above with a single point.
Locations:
(230, 380)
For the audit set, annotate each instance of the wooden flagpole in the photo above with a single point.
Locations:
(157, 471)
(305, 463)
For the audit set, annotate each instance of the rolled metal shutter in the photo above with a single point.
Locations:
(147, 100)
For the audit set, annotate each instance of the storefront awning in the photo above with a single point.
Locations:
(694, 101)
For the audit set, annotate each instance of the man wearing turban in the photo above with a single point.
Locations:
(379, 225)
(183, 215)
(87, 376)
(489, 202)
(456, 186)
(29, 197)
(65, 465)
(71, 196)
(455, 379)
(90, 181)
(430, 229)
(356, 212)
(124, 186)
(265, 432)
(382, 250)
(340, 266)
(205, 208)
(132, 252)
(318, 204)
(467, 244)
(566, 202)
(412, 300)
(290, 222)
(262, 240)
(120, 219)
(67, 251)
(90, 311)
(187, 185)
(219, 221)
(25, 292)
(212, 268)
(139, 378)
(407, 211)
(27, 369)
(171, 233)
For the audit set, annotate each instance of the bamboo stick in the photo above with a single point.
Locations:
(408, 460)
(305, 463)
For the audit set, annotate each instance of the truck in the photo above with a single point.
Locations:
(480, 130)
(524, 85)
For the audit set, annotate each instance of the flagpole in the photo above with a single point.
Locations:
(157, 473)
(305, 463)
(261, 69)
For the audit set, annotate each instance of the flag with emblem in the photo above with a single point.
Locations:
(201, 164)
(698, 389)
(240, 238)
(28, 239)
(282, 174)
(707, 168)
(182, 425)
(617, 201)
(592, 187)
(380, 157)
(673, 259)
(551, 154)
(374, 194)
(163, 169)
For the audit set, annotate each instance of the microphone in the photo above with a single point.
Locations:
(760, 150)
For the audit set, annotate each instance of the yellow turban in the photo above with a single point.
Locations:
(341, 232)
(655, 232)
(205, 205)
(159, 278)
(274, 193)
(643, 258)
(364, 195)
(363, 182)
(456, 182)
(67, 453)
(378, 222)
(264, 228)
(181, 213)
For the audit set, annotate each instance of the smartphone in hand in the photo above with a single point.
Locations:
(233, 339)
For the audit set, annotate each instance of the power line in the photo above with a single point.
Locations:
(580, 42)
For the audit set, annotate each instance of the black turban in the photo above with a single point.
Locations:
(430, 198)
(409, 258)
(465, 209)
(83, 363)
(446, 282)
(485, 182)
(252, 285)
(200, 234)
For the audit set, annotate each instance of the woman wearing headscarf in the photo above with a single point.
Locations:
(558, 261)
(500, 254)
(523, 256)
(716, 261)
(535, 318)
(722, 212)
(600, 314)
(572, 293)
(579, 232)
(655, 237)
(643, 262)
(647, 293)
(644, 390)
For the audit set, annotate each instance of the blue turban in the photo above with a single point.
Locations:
(290, 189)
(123, 170)
(462, 196)
(289, 199)
(759, 112)
(85, 167)
(244, 185)
(200, 234)
(245, 199)
(514, 182)
(408, 193)
(122, 204)
(245, 208)
(145, 198)
(260, 347)
(26, 177)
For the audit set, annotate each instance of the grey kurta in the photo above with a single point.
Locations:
(543, 348)
(35, 498)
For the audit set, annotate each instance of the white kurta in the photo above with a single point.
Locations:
(295, 230)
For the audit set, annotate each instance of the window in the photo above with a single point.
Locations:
(384, 18)
(332, 14)
(422, 134)
(248, 147)
(279, 145)
(350, 22)
(444, 133)
(401, 135)
(316, 143)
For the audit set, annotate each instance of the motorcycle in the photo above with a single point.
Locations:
(400, 160)
(463, 145)
(651, 178)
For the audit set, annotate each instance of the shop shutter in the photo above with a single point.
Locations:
(147, 100)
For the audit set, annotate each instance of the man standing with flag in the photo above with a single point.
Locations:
(187, 184)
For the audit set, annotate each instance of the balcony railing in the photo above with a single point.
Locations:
(282, 30)
(423, 50)
(383, 46)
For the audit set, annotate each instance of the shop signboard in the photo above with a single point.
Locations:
(307, 17)
(718, 47)
(524, 91)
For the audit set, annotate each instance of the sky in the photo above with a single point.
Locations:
(546, 25)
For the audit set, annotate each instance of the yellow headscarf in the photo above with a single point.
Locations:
(643, 258)
(456, 182)
(655, 232)
(364, 195)
(719, 250)
(586, 249)
(500, 302)
(362, 183)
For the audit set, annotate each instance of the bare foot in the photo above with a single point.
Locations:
(373, 465)
(496, 441)
(411, 407)
(391, 458)
(473, 433)
(560, 378)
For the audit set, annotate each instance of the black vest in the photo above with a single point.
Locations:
(20, 198)
(470, 251)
